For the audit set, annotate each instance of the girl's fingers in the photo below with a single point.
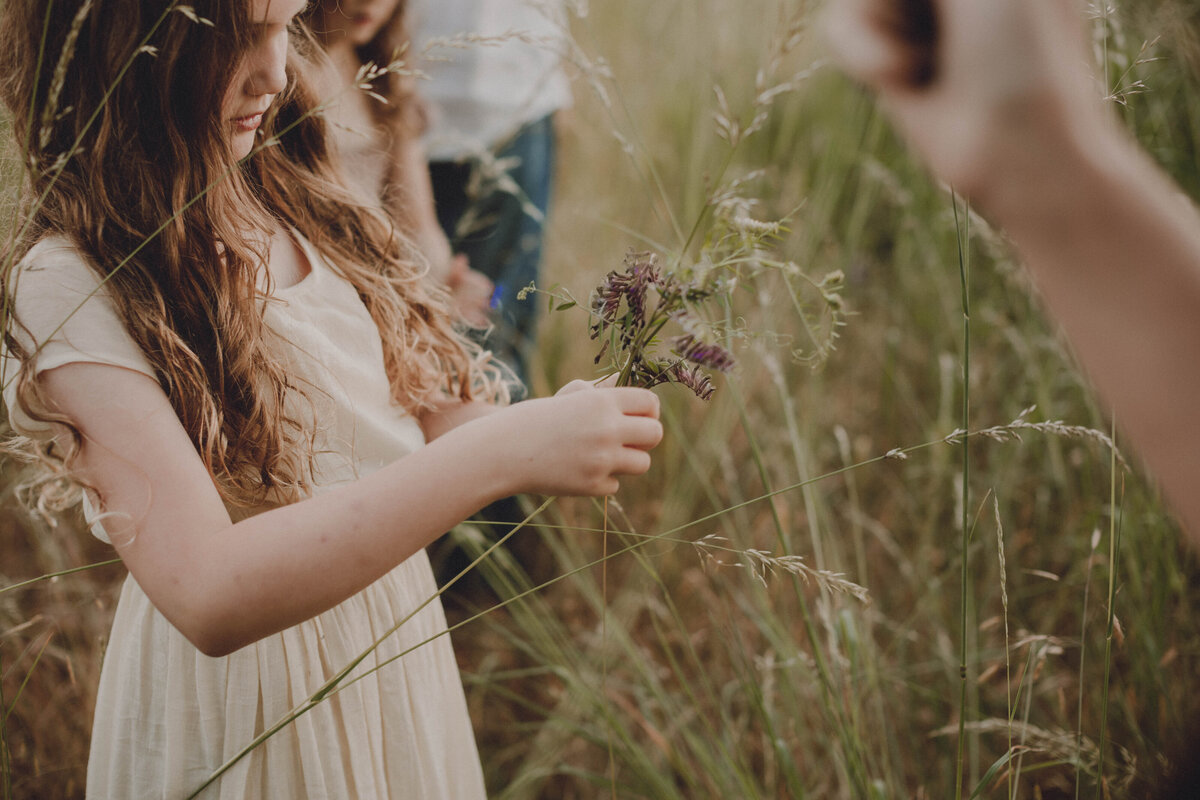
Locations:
(631, 462)
(636, 402)
(630, 399)
(642, 432)
(572, 387)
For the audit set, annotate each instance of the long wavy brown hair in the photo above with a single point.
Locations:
(117, 106)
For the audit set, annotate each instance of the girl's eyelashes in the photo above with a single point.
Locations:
(275, 20)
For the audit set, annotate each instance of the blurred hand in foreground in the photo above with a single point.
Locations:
(999, 98)
(981, 88)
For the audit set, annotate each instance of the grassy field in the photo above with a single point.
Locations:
(1026, 622)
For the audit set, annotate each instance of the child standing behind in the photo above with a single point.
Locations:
(378, 138)
(271, 413)
(492, 145)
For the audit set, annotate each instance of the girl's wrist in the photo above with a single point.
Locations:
(488, 449)
(1041, 177)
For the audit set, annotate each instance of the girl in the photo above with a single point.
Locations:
(243, 368)
(378, 141)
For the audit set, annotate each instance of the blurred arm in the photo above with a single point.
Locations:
(470, 291)
(1115, 249)
(414, 206)
(1000, 99)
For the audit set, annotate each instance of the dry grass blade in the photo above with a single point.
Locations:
(761, 563)
(1011, 431)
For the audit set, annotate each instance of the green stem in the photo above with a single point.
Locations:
(641, 343)
(21, 689)
(964, 281)
(1114, 544)
(691, 237)
(48, 576)
(1087, 587)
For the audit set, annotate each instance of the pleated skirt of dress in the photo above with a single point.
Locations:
(168, 717)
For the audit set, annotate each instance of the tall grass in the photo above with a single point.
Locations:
(706, 650)
(732, 688)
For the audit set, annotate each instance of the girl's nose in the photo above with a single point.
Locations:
(268, 73)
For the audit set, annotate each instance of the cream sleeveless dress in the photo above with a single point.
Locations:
(168, 716)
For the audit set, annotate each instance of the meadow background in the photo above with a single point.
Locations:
(692, 638)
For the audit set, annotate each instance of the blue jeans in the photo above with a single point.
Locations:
(501, 234)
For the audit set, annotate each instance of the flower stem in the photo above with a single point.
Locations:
(964, 282)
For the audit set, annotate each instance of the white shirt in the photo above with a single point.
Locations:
(480, 94)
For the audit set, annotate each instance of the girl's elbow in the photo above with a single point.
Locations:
(211, 612)
(215, 645)
(211, 631)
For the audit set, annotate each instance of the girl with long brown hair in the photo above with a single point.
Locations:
(268, 411)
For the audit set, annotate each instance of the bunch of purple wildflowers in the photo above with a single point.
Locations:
(629, 311)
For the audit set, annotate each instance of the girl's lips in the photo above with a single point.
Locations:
(249, 123)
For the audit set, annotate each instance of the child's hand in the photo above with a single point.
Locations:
(607, 382)
(581, 440)
(988, 91)
(470, 291)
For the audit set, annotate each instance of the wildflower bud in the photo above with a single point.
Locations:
(712, 356)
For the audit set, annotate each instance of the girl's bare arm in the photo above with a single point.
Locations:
(226, 585)
(411, 194)
(1013, 117)
(413, 202)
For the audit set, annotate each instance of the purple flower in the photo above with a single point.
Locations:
(694, 379)
(607, 300)
(708, 355)
(629, 319)
(649, 373)
(643, 273)
(631, 285)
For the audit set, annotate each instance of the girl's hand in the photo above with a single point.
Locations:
(607, 382)
(578, 442)
(989, 91)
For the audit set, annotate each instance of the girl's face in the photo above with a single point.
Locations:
(354, 21)
(261, 73)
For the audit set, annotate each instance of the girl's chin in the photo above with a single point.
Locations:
(242, 144)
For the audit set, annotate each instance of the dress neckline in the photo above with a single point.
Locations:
(315, 265)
